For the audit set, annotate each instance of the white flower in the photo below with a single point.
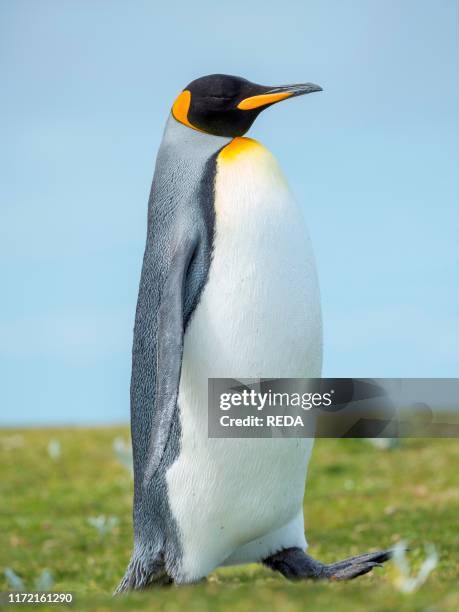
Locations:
(103, 524)
(54, 449)
(123, 453)
(405, 582)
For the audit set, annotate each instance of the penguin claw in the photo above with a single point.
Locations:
(378, 558)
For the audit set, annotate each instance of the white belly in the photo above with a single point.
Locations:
(259, 316)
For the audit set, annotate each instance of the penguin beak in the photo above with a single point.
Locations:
(276, 94)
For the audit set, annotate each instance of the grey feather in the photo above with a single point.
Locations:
(175, 268)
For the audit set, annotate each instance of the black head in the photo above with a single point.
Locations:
(226, 105)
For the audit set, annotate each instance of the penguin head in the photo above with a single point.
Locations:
(225, 105)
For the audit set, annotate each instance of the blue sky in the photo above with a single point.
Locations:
(87, 86)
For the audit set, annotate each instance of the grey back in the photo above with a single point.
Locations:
(181, 203)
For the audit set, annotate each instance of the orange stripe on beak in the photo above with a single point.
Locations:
(263, 100)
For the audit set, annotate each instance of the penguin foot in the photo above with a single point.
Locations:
(295, 564)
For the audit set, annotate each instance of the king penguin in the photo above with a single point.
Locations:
(228, 289)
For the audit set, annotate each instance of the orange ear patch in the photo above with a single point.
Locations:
(181, 107)
(263, 100)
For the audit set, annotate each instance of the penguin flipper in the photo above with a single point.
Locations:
(170, 330)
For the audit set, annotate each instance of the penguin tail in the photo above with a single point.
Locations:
(143, 572)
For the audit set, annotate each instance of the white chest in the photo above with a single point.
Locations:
(258, 316)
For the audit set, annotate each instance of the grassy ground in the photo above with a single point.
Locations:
(358, 498)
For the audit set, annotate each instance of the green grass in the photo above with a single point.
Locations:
(357, 499)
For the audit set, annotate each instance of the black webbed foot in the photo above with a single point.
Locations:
(295, 564)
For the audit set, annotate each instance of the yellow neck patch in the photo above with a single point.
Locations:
(238, 146)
